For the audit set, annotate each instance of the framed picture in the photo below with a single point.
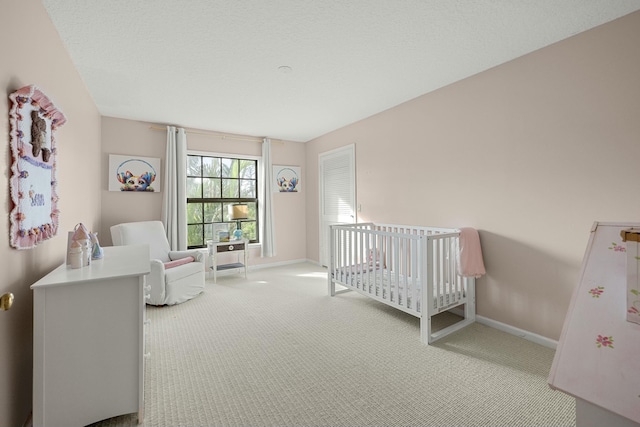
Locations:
(134, 173)
(219, 230)
(287, 179)
(33, 120)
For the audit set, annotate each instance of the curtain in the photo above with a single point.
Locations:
(267, 231)
(174, 206)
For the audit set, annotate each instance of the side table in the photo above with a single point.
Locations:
(217, 248)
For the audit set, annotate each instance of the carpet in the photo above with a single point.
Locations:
(276, 350)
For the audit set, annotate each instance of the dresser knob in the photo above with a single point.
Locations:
(6, 301)
(230, 247)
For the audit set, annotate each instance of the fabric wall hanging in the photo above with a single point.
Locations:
(33, 121)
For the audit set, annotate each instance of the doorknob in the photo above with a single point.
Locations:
(6, 301)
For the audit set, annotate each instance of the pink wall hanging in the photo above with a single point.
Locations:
(33, 121)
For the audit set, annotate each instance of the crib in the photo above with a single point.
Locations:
(395, 264)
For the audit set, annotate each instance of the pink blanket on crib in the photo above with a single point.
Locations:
(470, 262)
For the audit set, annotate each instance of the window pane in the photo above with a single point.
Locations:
(193, 166)
(194, 188)
(211, 188)
(216, 212)
(230, 188)
(247, 169)
(249, 230)
(229, 168)
(194, 236)
(208, 232)
(210, 166)
(252, 211)
(247, 188)
(225, 212)
(209, 212)
(194, 212)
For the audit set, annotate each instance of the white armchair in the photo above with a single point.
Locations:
(173, 278)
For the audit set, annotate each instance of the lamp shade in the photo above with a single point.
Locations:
(238, 212)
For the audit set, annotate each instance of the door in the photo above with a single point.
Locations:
(337, 193)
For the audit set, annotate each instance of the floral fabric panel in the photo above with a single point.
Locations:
(597, 358)
(33, 121)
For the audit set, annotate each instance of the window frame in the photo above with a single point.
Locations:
(225, 201)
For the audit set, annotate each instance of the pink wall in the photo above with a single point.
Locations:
(32, 53)
(128, 137)
(531, 153)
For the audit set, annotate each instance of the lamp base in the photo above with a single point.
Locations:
(237, 235)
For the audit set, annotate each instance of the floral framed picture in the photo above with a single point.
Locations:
(134, 173)
(33, 119)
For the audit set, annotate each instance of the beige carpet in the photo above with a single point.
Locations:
(275, 350)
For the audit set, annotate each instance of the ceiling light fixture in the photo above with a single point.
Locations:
(285, 69)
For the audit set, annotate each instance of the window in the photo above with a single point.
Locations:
(213, 184)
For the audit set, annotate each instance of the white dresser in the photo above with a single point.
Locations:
(88, 340)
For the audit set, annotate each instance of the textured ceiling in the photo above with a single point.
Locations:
(214, 65)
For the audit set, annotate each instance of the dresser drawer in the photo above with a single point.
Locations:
(231, 247)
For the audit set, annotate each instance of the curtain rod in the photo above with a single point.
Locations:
(217, 134)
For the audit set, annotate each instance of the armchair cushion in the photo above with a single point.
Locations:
(197, 254)
(177, 262)
(176, 276)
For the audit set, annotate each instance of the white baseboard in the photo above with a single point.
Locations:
(276, 264)
(529, 336)
(254, 267)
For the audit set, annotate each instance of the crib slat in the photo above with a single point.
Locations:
(451, 286)
(414, 275)
(362, 261)
(340, 256)
(401, 277)
(396, 267)
(371, 253)
(437, 272)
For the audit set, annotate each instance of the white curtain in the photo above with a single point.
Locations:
(174, 206)
(267, 231)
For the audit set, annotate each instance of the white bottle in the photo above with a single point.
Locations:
(75, 255)
(86, 254)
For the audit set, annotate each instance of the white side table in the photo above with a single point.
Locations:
(217, 248)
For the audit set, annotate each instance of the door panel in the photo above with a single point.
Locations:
(337, 193)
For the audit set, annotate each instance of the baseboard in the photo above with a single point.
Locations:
(275, 264)
(529, 336)
(254, 267)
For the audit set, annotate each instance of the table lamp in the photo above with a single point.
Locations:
(236, 213)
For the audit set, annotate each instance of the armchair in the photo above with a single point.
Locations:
(174, 277)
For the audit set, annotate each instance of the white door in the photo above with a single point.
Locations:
(337, 193)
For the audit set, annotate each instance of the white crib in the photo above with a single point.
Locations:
(392, 263)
